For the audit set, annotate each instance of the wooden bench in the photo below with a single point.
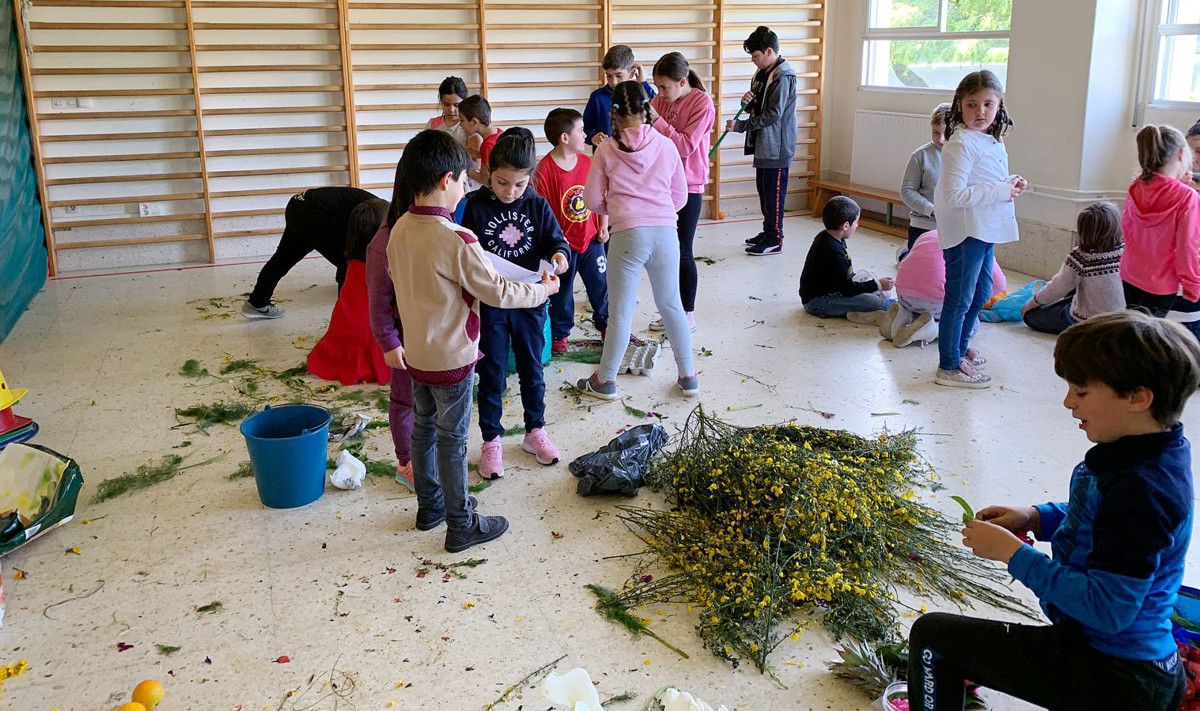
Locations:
(823, 190)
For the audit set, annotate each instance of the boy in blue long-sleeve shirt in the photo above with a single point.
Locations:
(1118, 544)
(619, 65)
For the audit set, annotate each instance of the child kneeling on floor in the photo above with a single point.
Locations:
(1089, 281)
(1119, 544)
(827, 285)
(920, 290)
(440, 275)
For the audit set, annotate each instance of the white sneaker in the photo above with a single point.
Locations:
(658, 325)
(964, 377)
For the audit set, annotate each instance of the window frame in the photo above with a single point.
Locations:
(938, 32)
(1153, 75)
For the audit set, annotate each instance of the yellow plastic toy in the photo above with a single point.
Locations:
(8, 396)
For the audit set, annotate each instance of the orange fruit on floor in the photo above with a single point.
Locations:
(132, 706)
(149, 693)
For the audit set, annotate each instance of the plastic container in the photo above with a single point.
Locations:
(546, 349)
(287, 447)
(896, 691)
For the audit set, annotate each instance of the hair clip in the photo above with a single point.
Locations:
(617, 105)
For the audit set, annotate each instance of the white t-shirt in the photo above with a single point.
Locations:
(973, 198)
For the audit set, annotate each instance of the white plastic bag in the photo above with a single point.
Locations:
(350, 472)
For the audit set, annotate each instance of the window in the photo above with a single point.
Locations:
(931, 44)
(1177, 68)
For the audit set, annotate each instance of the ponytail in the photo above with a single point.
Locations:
(1155, 146)
(515, 149)
(629, 99)
(674, 66)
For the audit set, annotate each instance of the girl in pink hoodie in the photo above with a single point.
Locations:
(683, 112)
(1161, 223)
(638, 180)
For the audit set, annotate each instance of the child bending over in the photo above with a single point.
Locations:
(1119, 543)
(476, 115)
(347, 352)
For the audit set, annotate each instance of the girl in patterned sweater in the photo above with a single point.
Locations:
(1089, 281)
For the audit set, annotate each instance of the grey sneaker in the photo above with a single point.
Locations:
(689, 386)
(592, 386)
(917, 330)
(964, 377)
(253, 312)
(973, 357)
(659, 325)
(867, 318)
(486, 528)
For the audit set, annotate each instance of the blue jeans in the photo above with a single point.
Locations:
(441, 417)
(527, 330)
(655, 249)
(968, 288)
(591, 267)
(834, 305)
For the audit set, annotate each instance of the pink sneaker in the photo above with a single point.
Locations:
(404, 475)
(539, 445)
(491, 460)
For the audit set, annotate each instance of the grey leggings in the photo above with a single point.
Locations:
(655, 249)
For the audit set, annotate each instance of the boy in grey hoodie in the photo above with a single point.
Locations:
(770, 134)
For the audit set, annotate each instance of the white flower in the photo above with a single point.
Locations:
(573, 691)
(676, 700)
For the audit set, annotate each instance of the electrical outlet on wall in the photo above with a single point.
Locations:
(145, 209)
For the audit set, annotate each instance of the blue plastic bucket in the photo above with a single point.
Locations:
(287, 449)
(546, 349)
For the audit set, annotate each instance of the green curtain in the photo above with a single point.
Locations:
(22, 242)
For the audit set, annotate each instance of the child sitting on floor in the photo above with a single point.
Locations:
(517, 225)
(1089, 281)
(440, 274)
(347, 353)
(920, 289)
(1119, 543)
(827, 285)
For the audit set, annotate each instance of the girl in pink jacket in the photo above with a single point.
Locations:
(638, 180)
(684, 112)
(1161, 223)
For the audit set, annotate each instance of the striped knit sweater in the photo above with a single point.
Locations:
(1095, 277)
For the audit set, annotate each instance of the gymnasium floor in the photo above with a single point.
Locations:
(335, 586)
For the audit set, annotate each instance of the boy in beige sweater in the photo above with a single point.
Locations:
(440, 275)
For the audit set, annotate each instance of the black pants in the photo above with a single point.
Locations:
(772, 194)
(687, 218)
(1156, 304)
(1051, 318)
(914, 233)
(525, 330)
(302, 234)
(1048, 665)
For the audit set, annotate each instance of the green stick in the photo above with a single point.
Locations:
(717, 145)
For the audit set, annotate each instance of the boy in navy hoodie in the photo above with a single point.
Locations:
(1119, 544)
(619, 65)
(518, 225)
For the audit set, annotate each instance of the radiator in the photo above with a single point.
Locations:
(883, 142)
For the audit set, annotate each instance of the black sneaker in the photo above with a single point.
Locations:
(762, 249)
(486, 528)
(429, 520)
(756, 239)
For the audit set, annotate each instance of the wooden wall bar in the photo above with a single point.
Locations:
(175, 130)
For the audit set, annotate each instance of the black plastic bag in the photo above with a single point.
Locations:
(619, 467)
